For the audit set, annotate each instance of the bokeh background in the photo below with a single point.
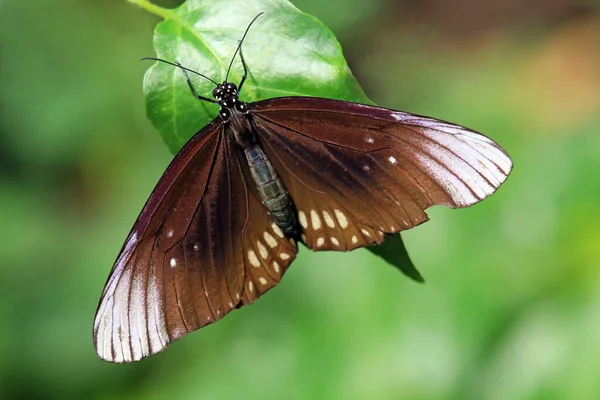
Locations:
(511, 309)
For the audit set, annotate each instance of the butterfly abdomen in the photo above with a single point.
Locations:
(272, 192)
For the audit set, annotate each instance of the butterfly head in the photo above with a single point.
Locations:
(226, 94)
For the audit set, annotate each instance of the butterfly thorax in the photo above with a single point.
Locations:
(234, 114)
(238, 123)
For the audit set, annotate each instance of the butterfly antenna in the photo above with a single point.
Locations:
(179, 66)
(240, 45)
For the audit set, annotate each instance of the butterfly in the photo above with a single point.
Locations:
(223, 224)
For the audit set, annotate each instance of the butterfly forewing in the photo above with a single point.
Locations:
(357, 172)
(202, 246)
(132, 320)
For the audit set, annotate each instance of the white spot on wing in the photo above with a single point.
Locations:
(262, 280)
(253, 259)
(370, 140)
(354, 239)
(270, 240)
(173, 262)
(335, 241)
(277, 230)
(328, 220)
(276, 266)
(341, 218)
(365, 232)
(262, 250)
(302, 219)
(284, 256)
(315, 220)
(320, 242)
(251, 287)
(392, 159)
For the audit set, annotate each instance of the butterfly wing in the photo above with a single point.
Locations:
(356, 173)
(202, 246)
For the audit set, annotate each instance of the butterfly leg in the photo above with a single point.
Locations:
(245, 71)
(189, 82)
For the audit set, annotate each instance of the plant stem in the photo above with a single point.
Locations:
(152, 8)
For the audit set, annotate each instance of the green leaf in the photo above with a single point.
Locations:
(288, 53)
(394, 252)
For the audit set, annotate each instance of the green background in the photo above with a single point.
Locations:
(511, 308)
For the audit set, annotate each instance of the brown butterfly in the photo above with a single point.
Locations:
(222, 225)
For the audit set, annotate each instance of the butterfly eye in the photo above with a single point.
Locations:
(216, 92)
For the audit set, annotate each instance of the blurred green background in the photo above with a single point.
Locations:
(511, 309)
